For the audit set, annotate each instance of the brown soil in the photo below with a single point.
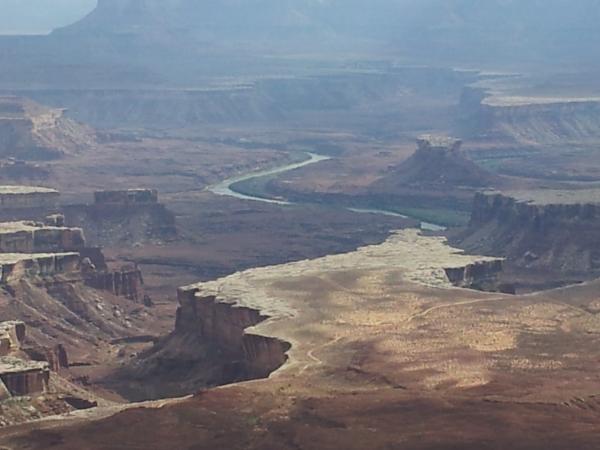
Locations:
(378, 361)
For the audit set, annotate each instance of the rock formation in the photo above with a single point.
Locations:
(544, 229)
(480, 275)
(18, 266)
(128, 197)
(115, 217)
(436, 183)
(25, 197)
(22, 377)
(211, 345)
(67, 296)
(438, 162)
(127, 282)
(34, 237)
(19, 376)
(529, 121)
(224, 325)
(29, 249)
(12, 335)
(30, 131)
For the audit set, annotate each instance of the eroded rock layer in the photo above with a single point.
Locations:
(548, 229)
(379, 337)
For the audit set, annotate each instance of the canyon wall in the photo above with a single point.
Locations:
(20, 197)
(22, 377)
(30, 131)
(19, 376)
(15, 267)
(32, 237)
(529, 121)
(481, 276)
(254, 99)
(225, 324)
(126, 197)
(127, 282)
(12, 335)
(128, 216)
(560, 236)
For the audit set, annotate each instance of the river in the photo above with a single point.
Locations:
(225, 188)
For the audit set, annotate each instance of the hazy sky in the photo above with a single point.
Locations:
(40, 16)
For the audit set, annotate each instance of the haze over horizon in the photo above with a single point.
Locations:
(490, 33)
(40, 16)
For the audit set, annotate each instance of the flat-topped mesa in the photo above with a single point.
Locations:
(19, 197)
(126, 197)
(440, 145)
(35, 237)
(123, 216)
(17, 266)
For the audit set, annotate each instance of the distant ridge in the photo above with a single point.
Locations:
(545, 31)
(150, 42)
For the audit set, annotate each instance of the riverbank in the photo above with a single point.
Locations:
(226, 186)
(254, 186)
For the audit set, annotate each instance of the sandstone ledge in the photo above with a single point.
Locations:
(246, 311)
(14, 266)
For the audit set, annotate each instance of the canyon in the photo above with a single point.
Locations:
(355, 324)
(401, 323)
(545, 231)
(301, 225)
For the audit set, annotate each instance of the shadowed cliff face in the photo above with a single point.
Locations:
(540, 120)
(550, 236)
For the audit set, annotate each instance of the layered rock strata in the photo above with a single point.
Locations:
(12, 334)
(547, 229)
(529, 120)
(240, 313)
(439, 162)
(21, 377)
(126, 197)
(33, 237)
(29, 130)
(134, 215)
(127, 282)
(19, 197)
(16, 266)
(224, 324)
